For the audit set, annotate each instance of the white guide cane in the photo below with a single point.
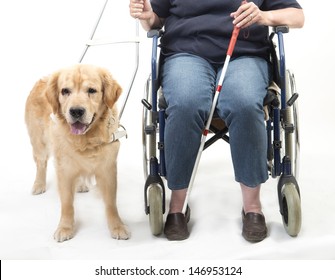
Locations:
(216, 96)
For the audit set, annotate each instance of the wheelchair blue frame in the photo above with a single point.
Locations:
(281, 165)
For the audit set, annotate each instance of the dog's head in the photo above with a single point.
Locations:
(81, 95)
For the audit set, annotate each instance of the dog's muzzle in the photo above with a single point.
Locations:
(78, 123)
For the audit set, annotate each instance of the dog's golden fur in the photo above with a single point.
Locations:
(82, 100)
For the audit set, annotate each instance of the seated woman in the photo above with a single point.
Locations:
(196, 37)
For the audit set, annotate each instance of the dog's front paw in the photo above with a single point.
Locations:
(63, 234)
(120, 232)
(38, 188)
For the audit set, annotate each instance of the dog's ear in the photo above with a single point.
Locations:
(111, 89)
(52, 92)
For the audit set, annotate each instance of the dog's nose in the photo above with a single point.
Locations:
(77, 112)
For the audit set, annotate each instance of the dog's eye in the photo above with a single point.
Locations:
(92, 90)
(65, 91)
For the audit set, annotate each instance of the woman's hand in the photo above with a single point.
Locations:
(140, 9)
(246, 15)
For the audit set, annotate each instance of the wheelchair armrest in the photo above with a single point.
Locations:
(154, 33)
(281, 28)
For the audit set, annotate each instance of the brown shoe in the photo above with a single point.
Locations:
(176, 225)
(254, 227)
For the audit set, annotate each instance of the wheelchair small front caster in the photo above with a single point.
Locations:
(291, 209)
(155, 211)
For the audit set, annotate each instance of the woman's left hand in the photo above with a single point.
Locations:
(246, 15)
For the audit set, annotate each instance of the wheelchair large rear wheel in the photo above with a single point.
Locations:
(292, 139)
(155, 200)
(291, 215)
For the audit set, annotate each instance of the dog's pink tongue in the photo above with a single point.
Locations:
(78, 128)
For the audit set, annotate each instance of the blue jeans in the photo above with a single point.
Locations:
(189, 83)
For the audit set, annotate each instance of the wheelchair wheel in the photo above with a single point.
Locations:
(148, 139)
(155, 200)
(292, 140)
(291, 215)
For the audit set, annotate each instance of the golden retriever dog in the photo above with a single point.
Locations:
(82, 101)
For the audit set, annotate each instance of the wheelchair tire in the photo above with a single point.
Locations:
(292, 140)
(291, 215)
(155, 200)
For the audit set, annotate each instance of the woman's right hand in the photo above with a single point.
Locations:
(140, 9)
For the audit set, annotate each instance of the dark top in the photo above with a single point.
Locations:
(204, 27)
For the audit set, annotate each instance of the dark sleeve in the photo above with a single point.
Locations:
(269, 5)
(161, 7)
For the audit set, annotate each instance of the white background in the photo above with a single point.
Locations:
(39, 37)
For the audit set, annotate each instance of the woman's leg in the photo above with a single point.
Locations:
(241, 106)
(251, 199)
(254, 227)
(187, 82)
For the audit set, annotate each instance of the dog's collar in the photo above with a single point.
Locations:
(53, 117)
(118, 134)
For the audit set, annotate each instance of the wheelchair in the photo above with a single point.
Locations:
(281, 124)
